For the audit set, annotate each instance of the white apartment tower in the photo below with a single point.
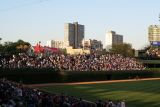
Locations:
(73, 35)
(113, 39)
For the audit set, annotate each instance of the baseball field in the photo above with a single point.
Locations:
(137, 93)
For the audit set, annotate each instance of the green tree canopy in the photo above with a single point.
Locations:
(19, 46)
(124, 49)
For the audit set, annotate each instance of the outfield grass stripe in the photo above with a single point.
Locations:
(137, 93)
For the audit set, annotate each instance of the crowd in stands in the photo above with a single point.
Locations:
(17, 95)
(85, 62)
(153, 52)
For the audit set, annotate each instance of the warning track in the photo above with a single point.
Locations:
(91, 82)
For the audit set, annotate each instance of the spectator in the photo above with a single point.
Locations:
(86, 62)
(15, 95)
(123, 103)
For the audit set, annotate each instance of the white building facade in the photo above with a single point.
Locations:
(92, 44)
(154, 35)
(55, 44)
(113, 39)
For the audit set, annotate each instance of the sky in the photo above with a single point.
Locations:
(42, 20)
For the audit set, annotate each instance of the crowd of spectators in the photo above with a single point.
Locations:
(85, 62)
(153, 52)
(18, 95)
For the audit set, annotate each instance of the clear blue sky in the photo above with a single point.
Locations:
(42, 20)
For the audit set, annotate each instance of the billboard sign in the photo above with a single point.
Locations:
(155, 43)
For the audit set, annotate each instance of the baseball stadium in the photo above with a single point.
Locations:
(118, 68)
(82, 80)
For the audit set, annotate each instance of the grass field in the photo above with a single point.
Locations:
(136, 93)
(150, 61)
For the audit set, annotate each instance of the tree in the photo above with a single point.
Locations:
(14, 47)
(22, 46)
(124, 49)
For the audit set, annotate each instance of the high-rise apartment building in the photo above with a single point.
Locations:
(73, 35)
(113, 39)
(154, 35)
